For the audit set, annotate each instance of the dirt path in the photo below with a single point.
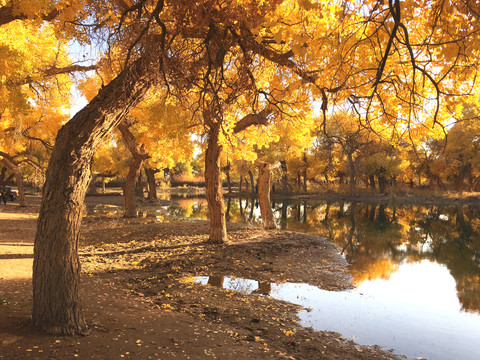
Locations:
(141, 301)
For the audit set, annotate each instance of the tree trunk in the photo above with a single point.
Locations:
(2, 175)
(252, 208)
(13, 166)
(305, 172)
(283, 164)
(56, 268)
(372, 181)
(382, 183)
(152, 185)
(227, 172)
(103, 185)
(305, 180)
(240, 184)
(459, 180)
(264, 196)
(351, 165)
(139, 155)
(139, 186)
(92, 189)
(283, 221)
(130, 188)
(304, 212)
(252, 182)
(213, 187)
(227, 212)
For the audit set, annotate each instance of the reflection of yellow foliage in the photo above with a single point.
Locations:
(366, 268)
(467, 292)
(187, 279)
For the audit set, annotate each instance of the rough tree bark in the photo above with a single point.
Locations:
(152, 185)
(139, 155)
(57, 307)
(264, 196)
(213, 186)
(13, 166)
(213, 181)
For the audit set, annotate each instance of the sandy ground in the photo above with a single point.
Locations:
(141, 301)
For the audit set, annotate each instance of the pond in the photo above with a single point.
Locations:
(416, 271)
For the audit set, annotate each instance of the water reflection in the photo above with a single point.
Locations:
(240, 285)
(417, 271)
(406, 316)
(375, 239)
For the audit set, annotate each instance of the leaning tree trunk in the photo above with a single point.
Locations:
(264, 196)
(213, 187)
(13, 166)
(57, 307)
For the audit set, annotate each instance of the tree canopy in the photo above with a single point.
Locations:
(371, 87)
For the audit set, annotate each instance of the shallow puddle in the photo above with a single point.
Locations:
(417, 271)
(381, 313)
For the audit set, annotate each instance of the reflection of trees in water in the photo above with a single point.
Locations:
(244, 286)
(376, 238)
(454, 243)
(371, 242)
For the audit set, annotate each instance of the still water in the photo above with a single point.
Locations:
(416, 271)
